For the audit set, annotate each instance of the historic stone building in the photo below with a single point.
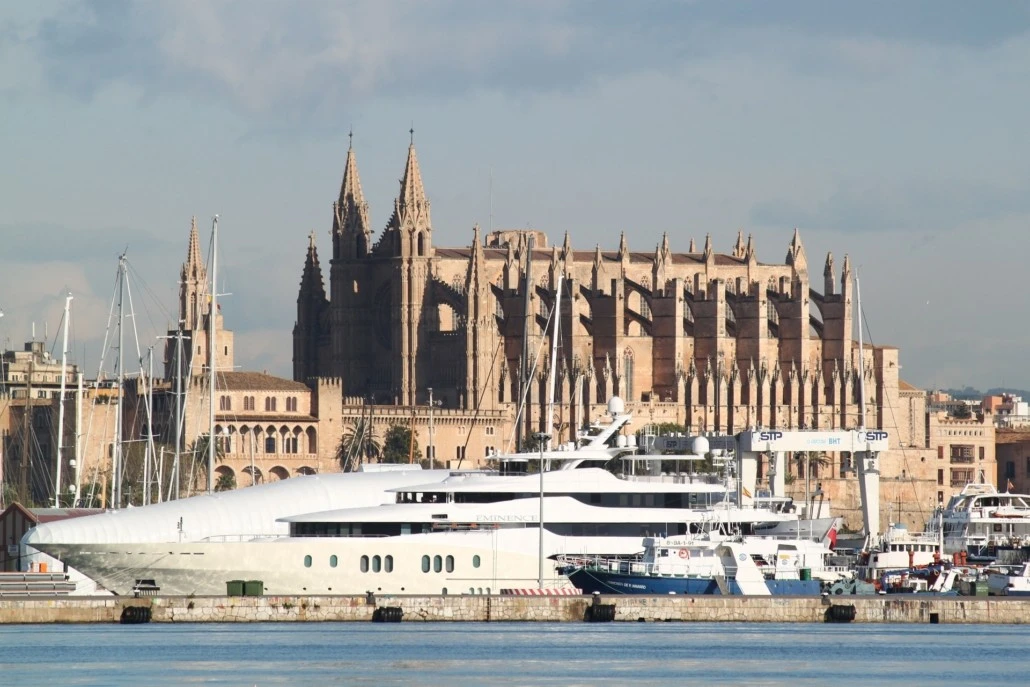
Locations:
(725, 340)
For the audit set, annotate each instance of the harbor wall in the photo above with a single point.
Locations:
(878, 609)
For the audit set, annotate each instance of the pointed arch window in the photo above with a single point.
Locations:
(421, 248)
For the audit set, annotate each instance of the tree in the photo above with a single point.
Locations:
(225, 482)
(198, 451)
(399, 446)
(806, 460)
(358, 441)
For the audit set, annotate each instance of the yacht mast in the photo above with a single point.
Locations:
(78, 441)
(116, 454)
(553, 376)
(526, 372)
(60, 402)
(178, 409)
(212, 314)
(861, 356)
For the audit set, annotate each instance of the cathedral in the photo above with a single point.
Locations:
(713, 341)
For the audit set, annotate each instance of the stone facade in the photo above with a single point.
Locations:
(714, 341)
(1013, 450)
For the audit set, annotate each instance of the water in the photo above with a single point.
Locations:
(570, 655)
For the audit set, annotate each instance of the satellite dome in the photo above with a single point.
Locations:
(700, 446)
(616, 406)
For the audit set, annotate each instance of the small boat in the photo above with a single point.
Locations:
(1010, 581)
(752, 566)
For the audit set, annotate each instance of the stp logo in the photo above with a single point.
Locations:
(769, 436)
(875, 436)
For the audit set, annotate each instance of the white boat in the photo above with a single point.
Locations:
(464, 533)
(755, 566)
(1010, 581)
(899, 549)
(982, 523)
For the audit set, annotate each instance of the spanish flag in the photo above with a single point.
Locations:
(1009, 486)
(745, 492)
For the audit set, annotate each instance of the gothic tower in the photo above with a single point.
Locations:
(310, 333)
(194, 313)
(407, 244)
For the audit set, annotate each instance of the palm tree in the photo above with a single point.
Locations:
(358, 441)
(198, 450)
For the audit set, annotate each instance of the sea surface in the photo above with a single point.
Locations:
(567, 654)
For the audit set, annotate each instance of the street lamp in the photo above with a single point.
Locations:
(541, 439)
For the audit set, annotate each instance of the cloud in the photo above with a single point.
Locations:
(914, 206)
(311, 61)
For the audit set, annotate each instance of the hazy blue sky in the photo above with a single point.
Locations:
(895, 132)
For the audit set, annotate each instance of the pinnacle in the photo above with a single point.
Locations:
(352, 210)
(412, 191)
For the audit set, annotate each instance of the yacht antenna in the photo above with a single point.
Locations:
(526, 372)
(212, 315)
(60, 402)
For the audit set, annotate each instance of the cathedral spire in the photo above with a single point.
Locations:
(194, 267)
(352, 231)
(796, 252)
(749, 250)
(192, 283)
(693, 247)
(412, 201)
(623, 246)
(312, 286)
(708, 253)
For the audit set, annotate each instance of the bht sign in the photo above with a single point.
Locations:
(769, 436)
(876, 436)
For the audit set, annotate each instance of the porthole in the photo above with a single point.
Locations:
(437, 563)
(450, 564)
(307, 561)
(333, 561)
(388, 564)
(425, 563)
(377, 563)
(364, 564)
(475, 561)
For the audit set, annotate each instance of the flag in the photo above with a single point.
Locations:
(745, 492)
(1009, 486)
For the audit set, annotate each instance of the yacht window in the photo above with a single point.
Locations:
(364, 564)
(388, 564)
(307, 561)
(425, 564)
(450, 564)
(377, 563)
(437, 563)
(475, 561)
(333, 561)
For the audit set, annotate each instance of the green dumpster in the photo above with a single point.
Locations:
(806, 573)
(253, 588)
(234, 588)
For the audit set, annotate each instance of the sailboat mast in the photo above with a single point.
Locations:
(78, 441)
(861, 356)
(60, 402)
(212, 314)
(178, 409)
(526, 372)
(116, 468)
(553, 376)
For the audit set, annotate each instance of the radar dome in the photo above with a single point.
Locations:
(616, 406)
(700, 446)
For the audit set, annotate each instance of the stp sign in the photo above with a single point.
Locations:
(876, 436)
(769, 436)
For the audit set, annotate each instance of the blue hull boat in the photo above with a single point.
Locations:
(591, 580)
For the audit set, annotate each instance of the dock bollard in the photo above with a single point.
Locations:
(387, 614)
(598, 612)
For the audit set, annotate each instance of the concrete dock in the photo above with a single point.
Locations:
(220, 609)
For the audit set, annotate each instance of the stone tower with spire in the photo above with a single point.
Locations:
(311, 331)
(194, 311)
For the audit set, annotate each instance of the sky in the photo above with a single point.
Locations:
(892, 132)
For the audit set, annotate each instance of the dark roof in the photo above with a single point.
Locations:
(257, 381)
